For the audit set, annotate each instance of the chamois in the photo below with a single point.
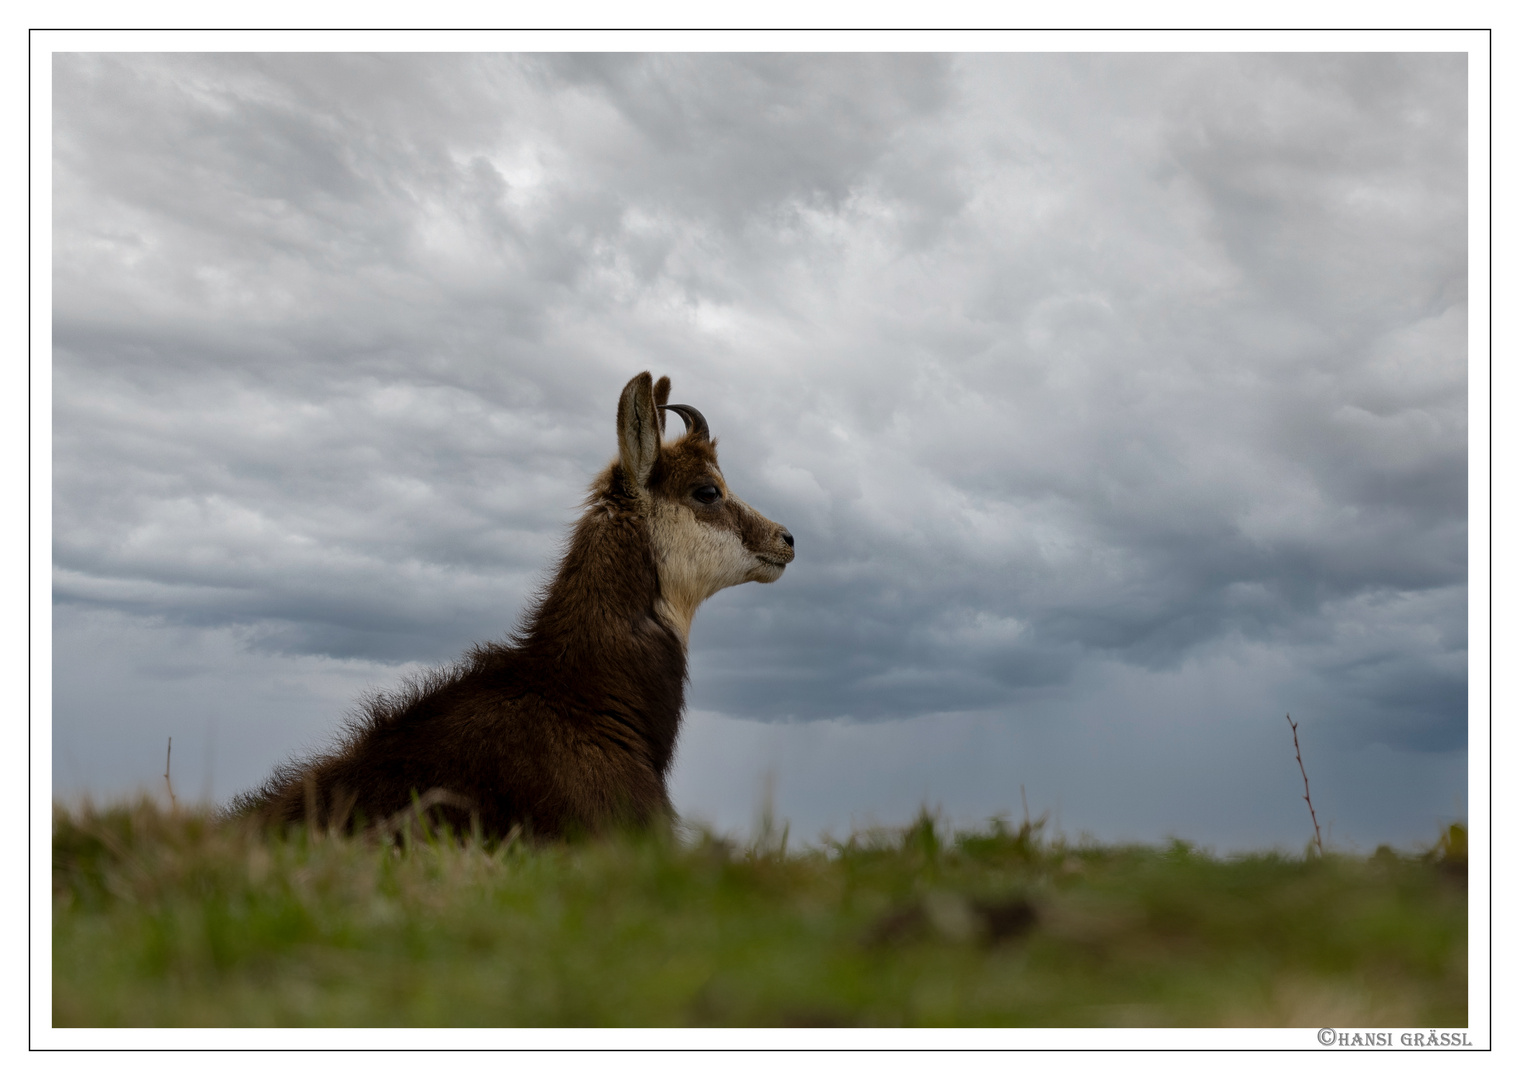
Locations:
(569, 726)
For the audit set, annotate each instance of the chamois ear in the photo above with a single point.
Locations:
(661, 398)
(638, 429)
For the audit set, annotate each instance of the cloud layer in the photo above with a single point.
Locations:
(1051, 363)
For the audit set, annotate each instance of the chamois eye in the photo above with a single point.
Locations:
(706, 494)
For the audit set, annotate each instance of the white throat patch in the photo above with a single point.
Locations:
(695, 561)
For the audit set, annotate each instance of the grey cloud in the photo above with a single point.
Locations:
(1049, 362)
(746, 136)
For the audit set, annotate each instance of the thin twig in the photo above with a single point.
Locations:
(173, 803)
(1298, 754)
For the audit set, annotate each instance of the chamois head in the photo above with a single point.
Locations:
(704, 537)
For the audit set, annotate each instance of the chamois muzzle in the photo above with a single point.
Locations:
(696, 423)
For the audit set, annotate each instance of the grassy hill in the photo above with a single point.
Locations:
(177, 919)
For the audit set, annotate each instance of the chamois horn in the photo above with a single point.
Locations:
(696, 423)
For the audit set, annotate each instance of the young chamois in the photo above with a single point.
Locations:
(569, 727)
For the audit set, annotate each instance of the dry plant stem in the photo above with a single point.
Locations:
(414, 814)
(173, 803)
(1298, 754)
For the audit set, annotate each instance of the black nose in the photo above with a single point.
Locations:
(788, 538)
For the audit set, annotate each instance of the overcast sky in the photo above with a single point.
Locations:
(1118, 404)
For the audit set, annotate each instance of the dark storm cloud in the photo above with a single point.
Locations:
(1047, 361)
(1266, 421)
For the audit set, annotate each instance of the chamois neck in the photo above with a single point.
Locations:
(603, 605)
(596, 636)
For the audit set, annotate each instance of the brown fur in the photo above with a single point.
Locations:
(571, 725)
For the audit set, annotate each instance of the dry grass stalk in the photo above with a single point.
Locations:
(173, 802)
(417, 812)
(1298, 754)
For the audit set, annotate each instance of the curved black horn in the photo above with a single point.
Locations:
(696, 423)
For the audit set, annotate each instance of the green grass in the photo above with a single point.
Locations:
(176, 919)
